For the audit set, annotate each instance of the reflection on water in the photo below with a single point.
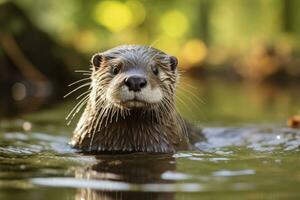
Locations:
(131, 173)
(236, 161)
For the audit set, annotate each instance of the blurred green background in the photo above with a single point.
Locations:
(239, 57)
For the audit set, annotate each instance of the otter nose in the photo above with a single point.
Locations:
(135, 83)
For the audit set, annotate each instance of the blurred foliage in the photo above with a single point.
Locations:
(200, 32)
(33, 67)
(251, 40)
(91, 26)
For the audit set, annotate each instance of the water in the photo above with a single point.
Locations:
(239, 160)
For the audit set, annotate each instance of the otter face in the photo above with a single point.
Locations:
(134, 76)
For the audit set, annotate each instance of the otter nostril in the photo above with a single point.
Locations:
(143, 83)
(135, 83)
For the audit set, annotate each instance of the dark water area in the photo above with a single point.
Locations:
(249, 153)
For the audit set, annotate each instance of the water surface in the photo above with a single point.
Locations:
(254, 160)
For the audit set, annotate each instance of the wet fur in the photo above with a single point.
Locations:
(108, 125)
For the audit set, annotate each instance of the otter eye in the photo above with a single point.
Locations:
(154, 70)
(115, 69)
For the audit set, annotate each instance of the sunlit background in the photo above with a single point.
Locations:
(240, 59)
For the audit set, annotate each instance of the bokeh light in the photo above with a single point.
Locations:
(174, 24)
(113, 15)
(194, 52)
(137, 10)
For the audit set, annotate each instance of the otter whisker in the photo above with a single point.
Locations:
(164, 107)
(190, 110)
(114, 110)
(78, 103)
(117, 115)
(182, 89)
(82, 101)
(153, 43)
(77, 110)
(183, 103)
(107, 113)
(171, 105)
(85, 93)
(192, 98)
(181, 71)
(83, 71)
(76, 89)
(100, 117)
(81, 80)
(187, 84)
(95, 128)
(99, 121)
(86, 74)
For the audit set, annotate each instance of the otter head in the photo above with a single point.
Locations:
(130, 106)
(132, 77)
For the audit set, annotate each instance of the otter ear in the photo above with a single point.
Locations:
(173, 62)
(96, 60)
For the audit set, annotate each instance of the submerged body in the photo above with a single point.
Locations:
(131, 105)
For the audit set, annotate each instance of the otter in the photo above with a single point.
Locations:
(131, 104)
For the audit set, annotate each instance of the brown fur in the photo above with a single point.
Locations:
(106, 126)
